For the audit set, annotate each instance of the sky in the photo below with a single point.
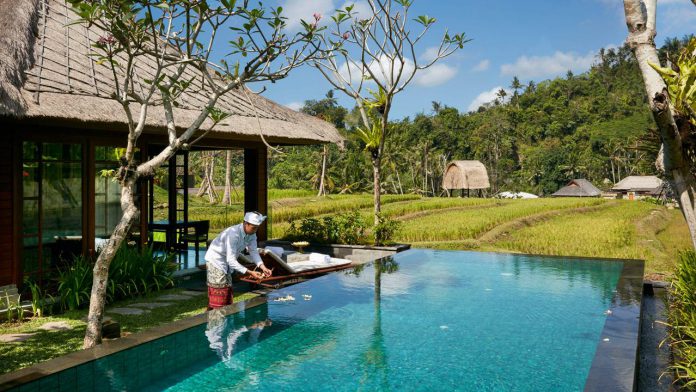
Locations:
(532, 39)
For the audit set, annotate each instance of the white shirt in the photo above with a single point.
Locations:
(226, 247)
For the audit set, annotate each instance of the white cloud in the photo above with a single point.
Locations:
(482, 66)
(361, 9)
(430, 54)
(296, 10)
(484, 97)
(295, 105)
(548, 66)
(436, 75)
(381, 70)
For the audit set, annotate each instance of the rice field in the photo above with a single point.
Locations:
(563, 226)
(469, 224)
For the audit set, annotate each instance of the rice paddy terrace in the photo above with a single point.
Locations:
(562, 226)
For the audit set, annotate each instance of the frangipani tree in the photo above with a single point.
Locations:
(673, 104)
(159, 54)
(379, 51)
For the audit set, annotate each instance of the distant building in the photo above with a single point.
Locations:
(578, 188)
(465, 175)
(516, 195)
(636, 187)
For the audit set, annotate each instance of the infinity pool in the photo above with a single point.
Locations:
(420, 320)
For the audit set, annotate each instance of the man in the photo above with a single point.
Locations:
(221, 259)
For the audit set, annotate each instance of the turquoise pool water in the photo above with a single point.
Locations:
(431, 320)
(421, 320)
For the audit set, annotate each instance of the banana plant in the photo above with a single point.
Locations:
(681, 82)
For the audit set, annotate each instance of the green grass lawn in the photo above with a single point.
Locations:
(45, 345)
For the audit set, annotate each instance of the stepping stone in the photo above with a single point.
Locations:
(172, 297)
(150, 305)
(192, 293)
(15, 337)
(128, 311)
(56, 326)
(105, 319)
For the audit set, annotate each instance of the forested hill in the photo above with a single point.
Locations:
(534, 137)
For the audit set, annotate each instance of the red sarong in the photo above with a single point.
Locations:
(218, 298)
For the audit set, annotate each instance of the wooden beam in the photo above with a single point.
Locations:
(256, 184)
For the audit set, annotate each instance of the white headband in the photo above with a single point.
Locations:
(254, 218)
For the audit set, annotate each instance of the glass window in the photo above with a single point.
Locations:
(107, 192)
(51, 205)
(30, 151)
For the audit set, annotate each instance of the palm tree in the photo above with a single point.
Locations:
(515, 85)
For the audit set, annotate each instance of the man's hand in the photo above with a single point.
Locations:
(254, 274)
(266, 272)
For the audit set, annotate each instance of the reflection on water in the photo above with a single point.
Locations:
(227, 333)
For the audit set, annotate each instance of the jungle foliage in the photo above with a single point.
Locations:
(534, 137)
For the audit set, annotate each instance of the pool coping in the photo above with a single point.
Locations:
(614, 366)
(56, 365)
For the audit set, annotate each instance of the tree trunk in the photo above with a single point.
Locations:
(93, 335)
(640, 19)
(398, 178)
(322, 190)
(227, 197)
(377, 188)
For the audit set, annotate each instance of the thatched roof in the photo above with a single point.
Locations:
(578, 188)
(649, 184)
(465, 175)
(47, 73)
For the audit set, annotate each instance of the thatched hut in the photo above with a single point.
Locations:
(60, 123)
(465, 175)
(578, 188)
(636, 187)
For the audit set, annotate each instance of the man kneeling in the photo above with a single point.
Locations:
(221, 259)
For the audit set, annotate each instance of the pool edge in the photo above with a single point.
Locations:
(615, 364)
(32, 373)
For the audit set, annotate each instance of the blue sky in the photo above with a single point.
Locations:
(533, 39)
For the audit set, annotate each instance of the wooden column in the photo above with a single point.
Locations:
(171, 207)
(256, 184)
(9, 263)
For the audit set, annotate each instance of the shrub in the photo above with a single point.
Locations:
(346, 228)
(385, 230)
(682, 320)
(132, 272)
(41, 301)
(75, 283)
(135, 272)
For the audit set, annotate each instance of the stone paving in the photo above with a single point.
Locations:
(192, 293)
(15, 337)
(149, 305)
(172, 297)
(128, 311)
(56, 326)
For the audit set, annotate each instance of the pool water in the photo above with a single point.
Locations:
(420, 320)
